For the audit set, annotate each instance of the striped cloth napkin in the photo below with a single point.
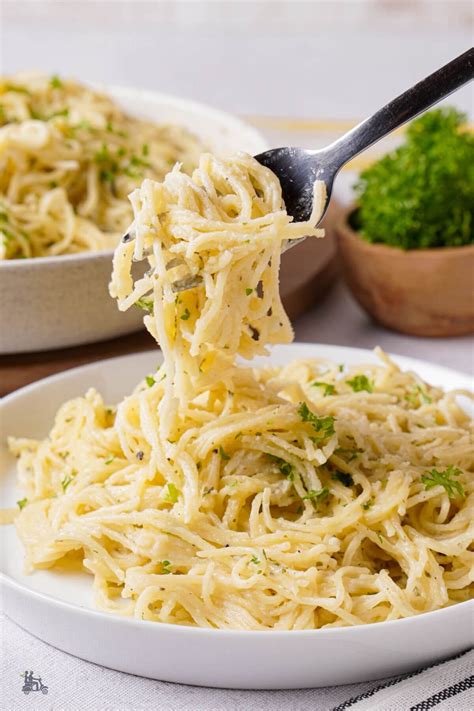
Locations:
(446, 685)
(76, 685)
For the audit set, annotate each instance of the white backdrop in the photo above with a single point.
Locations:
(333, 59)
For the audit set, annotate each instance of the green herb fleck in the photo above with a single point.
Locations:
(343, 451)
(145, 304)
(224, 456)
(416, 394)
(110, 459)
(165, 567)
(452, 487)
(248, 291)
(67, 479)
(255, 560)
(172, 494)
(56, 82)
(361, 382)
(343, 477)
(17, 88)
(150, 380)
(285, 467)
(317, 497)
(323, 425)
(329, 389)
(22, 503)
(186, 314)
(368, 504)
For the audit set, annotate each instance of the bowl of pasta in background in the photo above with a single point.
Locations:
(62, 301)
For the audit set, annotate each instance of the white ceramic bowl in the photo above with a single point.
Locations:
(56, 302)
(59, 609)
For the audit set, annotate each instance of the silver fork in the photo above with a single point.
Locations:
(297, 168)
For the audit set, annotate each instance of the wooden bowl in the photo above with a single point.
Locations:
(423, 292)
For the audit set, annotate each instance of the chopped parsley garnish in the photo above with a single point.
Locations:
(418, 394)
(62, 112)
(452, 487)
(317, 497)
(360, 383)
(67, 479)
(22, 503)
(16, 87)
(137, 162)
(110, 459)
(186, 314)
(145, 149)
(165, 567)
(285, 467)
(255, 560)
(248, 291)
(56, 82)
(329, 389)
(102, 155)
(346, 451)
(172, 494)
(324, 426)
(224, 456)
(368, 504)
(343, 477)
(145, 304)
(150, 380)
(110, 128)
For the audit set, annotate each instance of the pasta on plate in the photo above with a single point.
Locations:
(227, 496)
(69, 157)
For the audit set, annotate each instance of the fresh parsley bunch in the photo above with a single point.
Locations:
(422, 194)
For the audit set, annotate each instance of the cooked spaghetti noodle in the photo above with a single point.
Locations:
(69, 157)
(226, 496)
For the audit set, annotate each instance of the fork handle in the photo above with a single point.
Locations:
(405, 107)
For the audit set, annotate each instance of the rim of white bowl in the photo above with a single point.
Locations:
(227, 119)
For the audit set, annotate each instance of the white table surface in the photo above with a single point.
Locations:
(303, 60)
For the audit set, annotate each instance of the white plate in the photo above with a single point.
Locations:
(59, 608)
(57, 302)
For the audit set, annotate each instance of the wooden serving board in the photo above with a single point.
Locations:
(307, 273)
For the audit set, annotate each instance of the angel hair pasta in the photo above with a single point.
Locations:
(226, 496)
(69, 157)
